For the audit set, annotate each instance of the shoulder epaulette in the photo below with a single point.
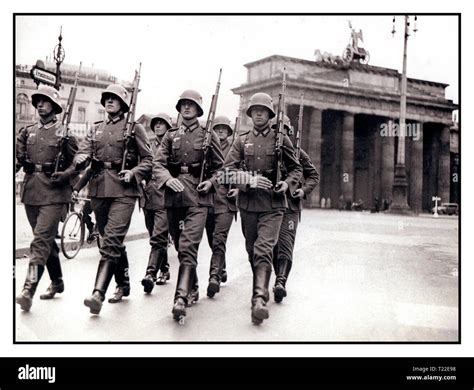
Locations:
(244, 133)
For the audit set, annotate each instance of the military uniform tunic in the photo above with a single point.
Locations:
(187, 210)
(45, 201)
(219, 221)
(286, 240)
(112, 201)
(156, 221)
(261, 210)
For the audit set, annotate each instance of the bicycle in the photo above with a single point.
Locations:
(74, 230)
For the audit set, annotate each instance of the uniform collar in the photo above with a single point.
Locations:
(189, 127)
(115, 119)
(48, 124)
(263, 131)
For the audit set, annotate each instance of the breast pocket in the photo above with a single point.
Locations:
(270, 156)
(249, 156)
(197, 151)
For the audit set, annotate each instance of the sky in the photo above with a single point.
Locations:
(186, 52)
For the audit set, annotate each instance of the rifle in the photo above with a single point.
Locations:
(236, 128)
(66, 121)
(280, 130)
(130, 121)
(299, 129)
(206, 145)
(298, 138)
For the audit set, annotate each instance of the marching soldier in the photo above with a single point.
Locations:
(283, 251)
(155, 215)
(45, 193)
(114, 191)
(220, 217)
(177, 166)
(262, 203)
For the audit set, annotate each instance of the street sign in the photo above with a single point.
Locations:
(40, 75)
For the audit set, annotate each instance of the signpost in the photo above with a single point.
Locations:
(41, 75)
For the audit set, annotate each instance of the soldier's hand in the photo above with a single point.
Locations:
(80, 158)
(299, 194)
(232, 192)
(125, 176)
(74, 195)
(59, 177)
(260, 182)
(204, 187)
(175, 185)
(281, 187)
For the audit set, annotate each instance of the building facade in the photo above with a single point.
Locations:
(350, 128)
(87, 107)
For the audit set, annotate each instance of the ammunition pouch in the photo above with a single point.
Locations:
(270, 174)
(28, 166)
(48, 168)
(174, 167)
(131, 162)
(195, 169)
(96, 165)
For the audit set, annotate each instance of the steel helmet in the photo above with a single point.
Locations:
(286, 122)
(261, 99)
(164, 117)
(222, 120)
(192, 95)
(120, 92)
(51, 94)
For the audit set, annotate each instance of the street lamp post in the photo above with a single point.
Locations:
(59, 55)
(400, 184)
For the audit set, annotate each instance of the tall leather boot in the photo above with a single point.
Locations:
(224, 273)
(183, 288)
(122, 278)
(104, 276)
(215, 273)
(193, 295)
(261, 280)
(279, 291)
(53, 266)
(25, 299)
(148, 282)
(164, 268)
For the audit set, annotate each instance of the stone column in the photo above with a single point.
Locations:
(388, 164)
(347, 162)
(376, 168)
(444, 163)
(416, 170)
(314, 150)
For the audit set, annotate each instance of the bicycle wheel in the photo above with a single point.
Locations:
(72, 235)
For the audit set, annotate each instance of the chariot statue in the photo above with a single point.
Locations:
(353, 52)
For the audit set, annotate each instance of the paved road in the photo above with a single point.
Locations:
(357, 277)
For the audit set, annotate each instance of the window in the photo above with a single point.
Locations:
(82, 115)
(102, 114)
(22, 106)
(83, 90)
